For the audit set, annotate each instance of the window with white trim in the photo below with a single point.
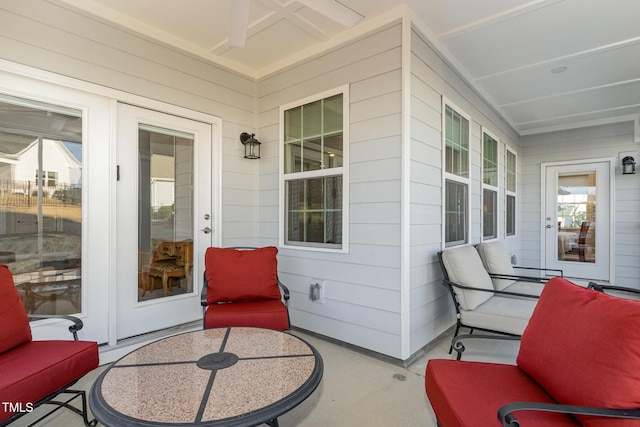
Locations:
(489, 186)
(456, 175)
(511, 193)
(313, 173)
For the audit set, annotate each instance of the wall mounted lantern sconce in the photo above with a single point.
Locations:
(251, 145)
(628, 165)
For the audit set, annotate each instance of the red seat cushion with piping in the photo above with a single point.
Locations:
(36, 369)
(469, 394)
(14, 329)
(270, 314)
(241, 275)
(583, 348)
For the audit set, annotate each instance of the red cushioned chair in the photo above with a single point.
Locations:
(241, 288)
(33, 373)
(578, 365)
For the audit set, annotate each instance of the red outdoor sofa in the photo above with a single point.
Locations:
(578, 365)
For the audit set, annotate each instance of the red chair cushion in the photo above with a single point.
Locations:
(270, 314)
(469, 394)
(583, 348)
(36, 369)
(15, 328)
(241, 275)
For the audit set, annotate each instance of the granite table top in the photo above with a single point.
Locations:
(215, 377)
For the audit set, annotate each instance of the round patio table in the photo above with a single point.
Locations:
(216, 377)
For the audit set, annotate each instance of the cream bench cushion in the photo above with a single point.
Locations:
(464, 267)
(501, 313)
(496, 260)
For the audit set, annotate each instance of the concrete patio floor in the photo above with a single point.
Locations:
(356, 390)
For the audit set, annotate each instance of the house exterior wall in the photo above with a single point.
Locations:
(362, 290)
(56, 158)
(431, 309)
(50, 37)
(585, 143)
(363, 299)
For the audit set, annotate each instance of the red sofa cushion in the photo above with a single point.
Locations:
(36, 369)
(583, 348)
(241, 275)
(15, 328)
(270, 314)
(469, 394)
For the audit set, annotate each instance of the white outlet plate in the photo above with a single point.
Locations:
(321, 283)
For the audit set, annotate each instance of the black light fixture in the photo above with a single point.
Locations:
(251, 145)
(628, 165)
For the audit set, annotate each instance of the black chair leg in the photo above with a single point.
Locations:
(67, 404)
(454, 336)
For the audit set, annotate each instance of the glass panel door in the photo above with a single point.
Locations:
(41, 203)
(577, 228)
(577, 198)
(165, 212)
(164, 219)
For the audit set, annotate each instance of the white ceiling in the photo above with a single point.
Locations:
(506, 49)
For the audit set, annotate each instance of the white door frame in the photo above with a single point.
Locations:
(611, 209)
(133, 317)
(95, 211)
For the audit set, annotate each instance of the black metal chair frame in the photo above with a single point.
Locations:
(49, 400)
(203, 294)
(450, 285)
(508, 419)
(600, 287)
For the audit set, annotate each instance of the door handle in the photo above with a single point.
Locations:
(548, 225)
(206, 230)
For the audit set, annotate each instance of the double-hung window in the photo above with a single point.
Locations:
(489, 186)
(456, 176)
(314, 171)
(511, 193)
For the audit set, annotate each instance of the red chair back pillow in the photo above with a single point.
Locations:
(583, 348)
(241, 275)
(15, 328)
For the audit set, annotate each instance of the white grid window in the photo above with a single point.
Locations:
(456, 172)
(489, 186)
(511, 193)
(313, 174)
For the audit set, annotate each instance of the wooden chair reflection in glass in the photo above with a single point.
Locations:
(171, 260)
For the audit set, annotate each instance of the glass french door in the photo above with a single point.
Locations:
(164, 218)
(53, 142)
(577, 219)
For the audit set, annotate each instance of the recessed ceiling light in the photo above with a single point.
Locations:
(558, 70)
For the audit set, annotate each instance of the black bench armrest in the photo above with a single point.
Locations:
(494, 291)
(546, 271)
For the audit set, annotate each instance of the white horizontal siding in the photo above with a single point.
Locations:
(362, 293)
